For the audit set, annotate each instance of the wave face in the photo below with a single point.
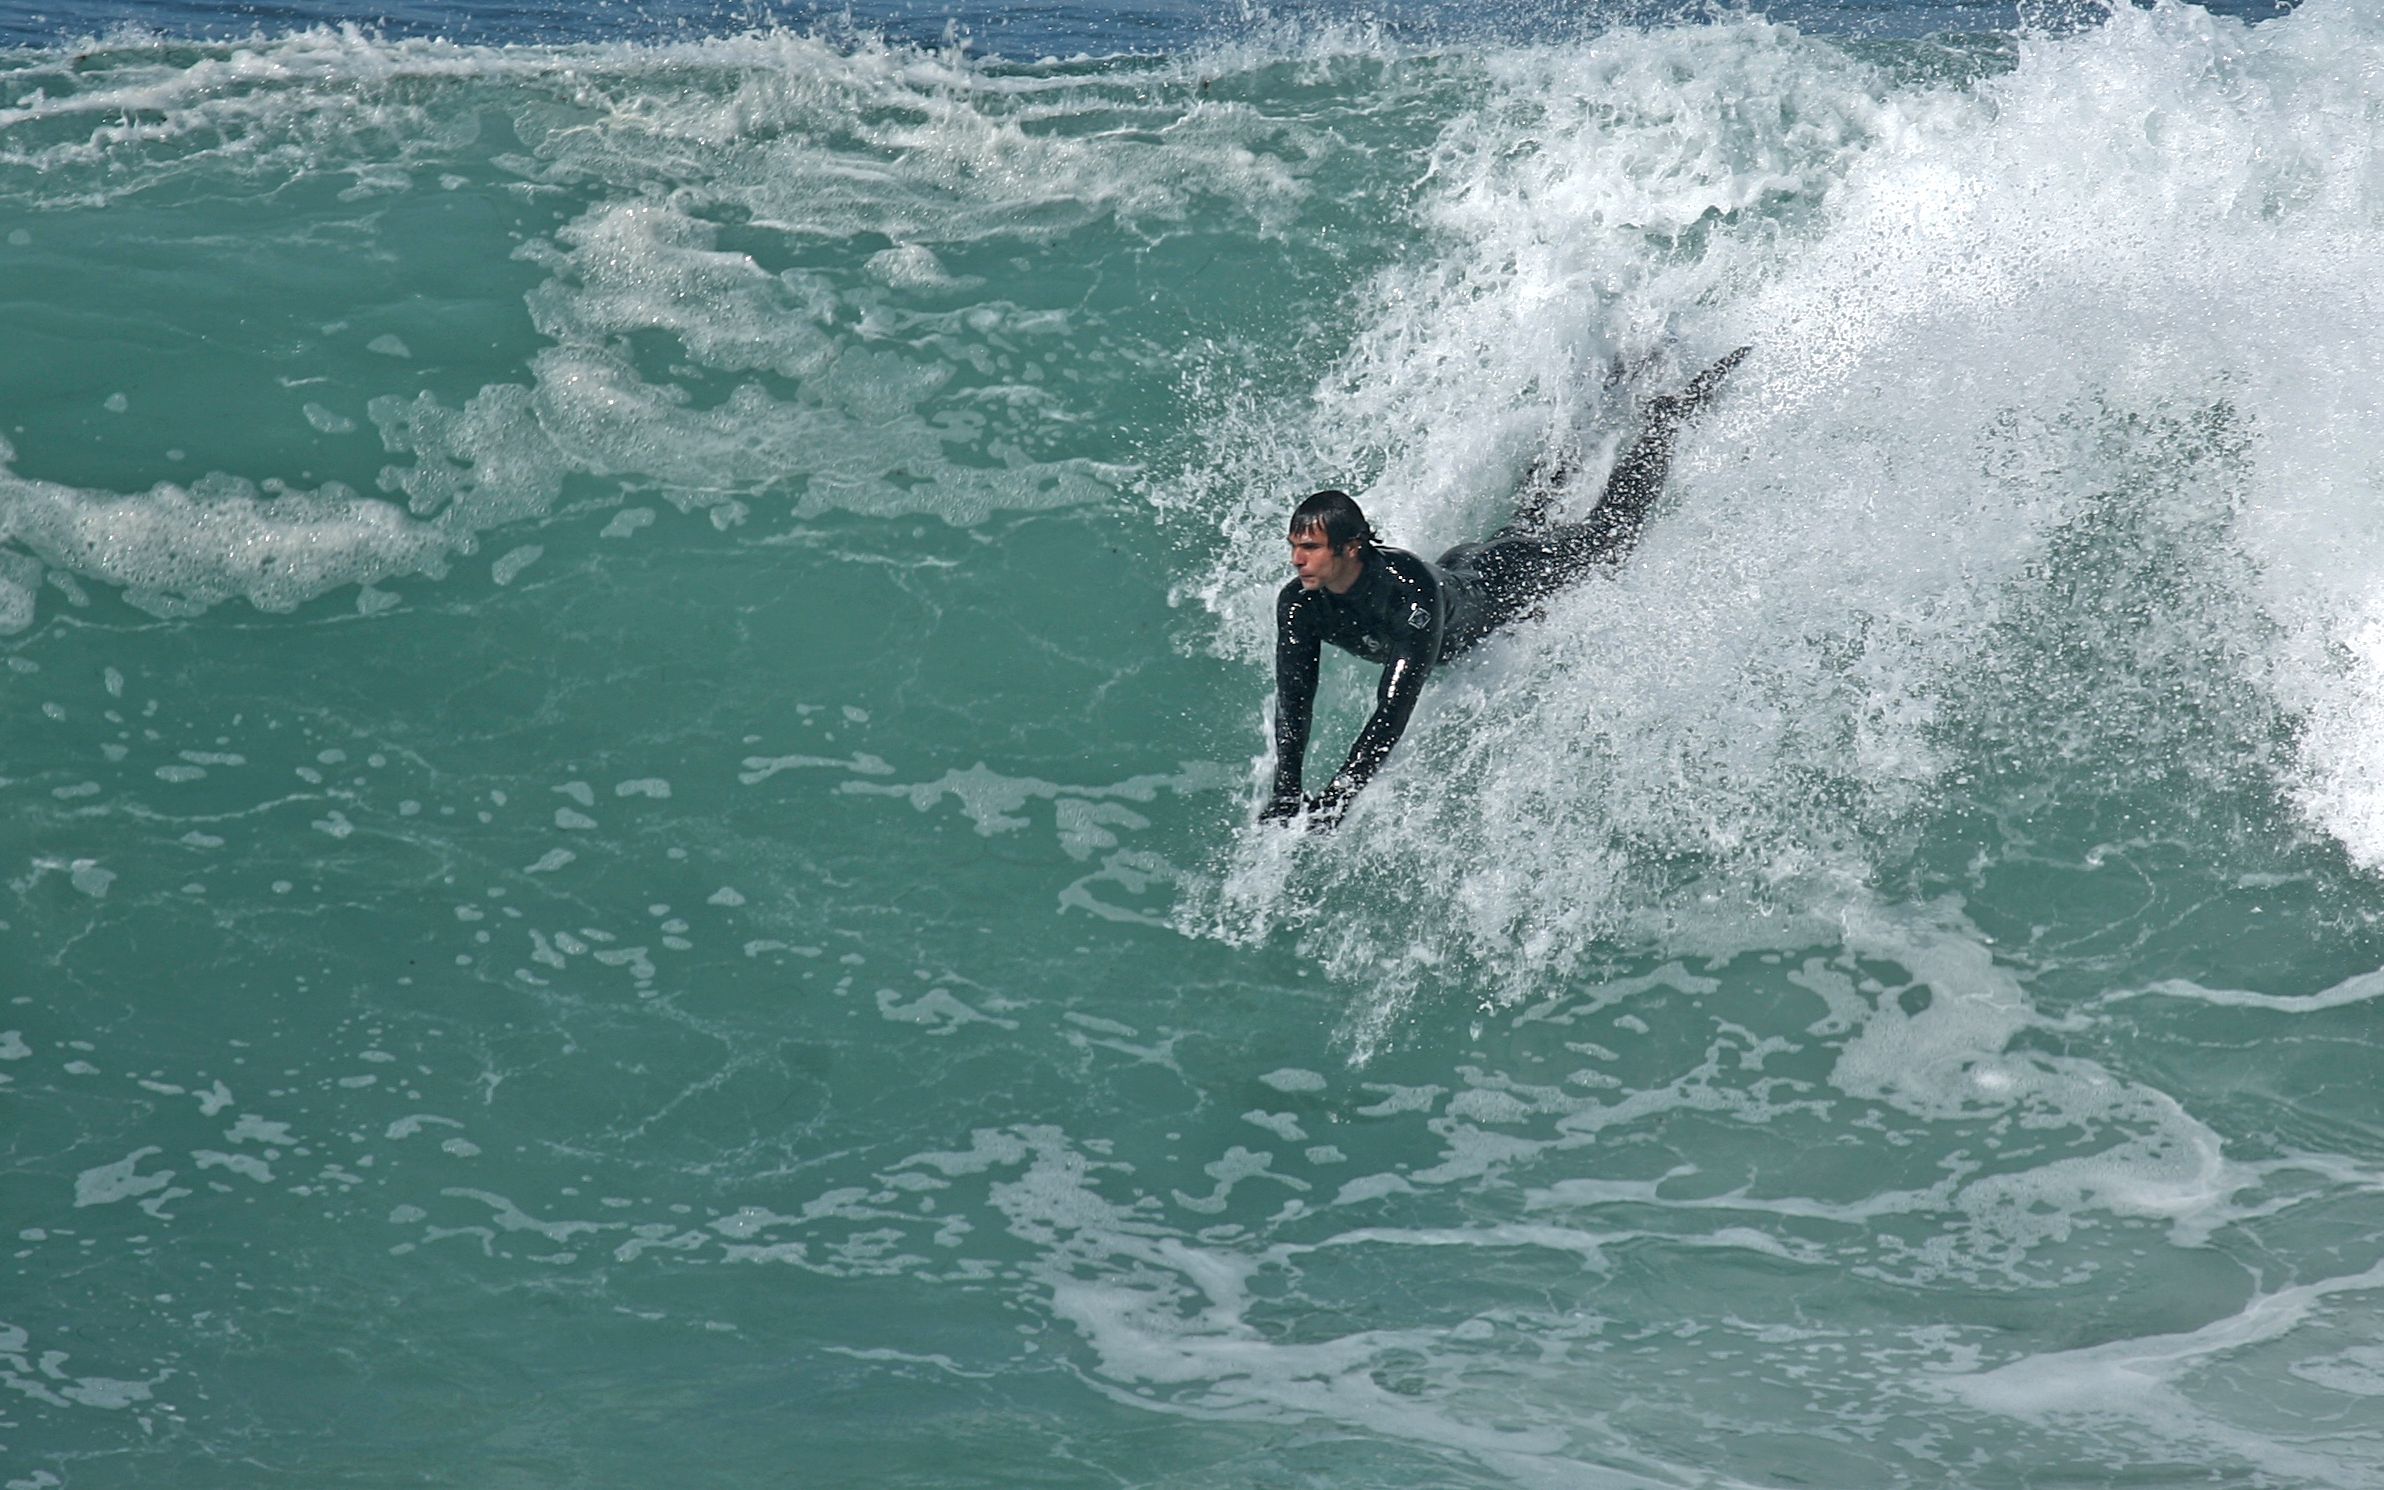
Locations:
(638, 664)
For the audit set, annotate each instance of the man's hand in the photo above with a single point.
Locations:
(1281, 809)
(1328, 807)
(1321, 813)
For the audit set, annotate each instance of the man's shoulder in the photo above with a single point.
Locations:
(1409, 569)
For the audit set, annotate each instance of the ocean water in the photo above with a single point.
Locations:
(635, 646)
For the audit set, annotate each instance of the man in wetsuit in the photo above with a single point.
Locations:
(1389, 606)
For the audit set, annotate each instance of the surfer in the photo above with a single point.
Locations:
(1389, 606)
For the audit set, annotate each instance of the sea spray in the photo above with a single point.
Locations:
(2010, 335)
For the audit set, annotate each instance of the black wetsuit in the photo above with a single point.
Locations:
(1411, 616)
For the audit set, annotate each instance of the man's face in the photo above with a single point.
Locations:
(1315, 561)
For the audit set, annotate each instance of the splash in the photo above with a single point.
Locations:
(2048, 440)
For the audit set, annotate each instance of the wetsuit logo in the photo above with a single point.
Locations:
(1417, 618)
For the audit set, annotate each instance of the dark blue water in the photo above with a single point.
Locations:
(1028, 30)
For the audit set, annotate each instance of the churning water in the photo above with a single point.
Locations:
(635, 661)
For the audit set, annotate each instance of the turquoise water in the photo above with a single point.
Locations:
(635, 675)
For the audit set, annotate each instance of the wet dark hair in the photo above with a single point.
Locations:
(1337, 513)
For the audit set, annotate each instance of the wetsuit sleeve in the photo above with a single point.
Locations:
(1394, 700)
(1297, 647)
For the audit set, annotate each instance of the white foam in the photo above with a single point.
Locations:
(176, 549)
(248, 1165)
(325, 421)
(105, 1184)
(90, 878)
(2341, 684)
(2357, 989)
(938, 1011)
(2145, 1381)
(508, 568)
(908, 265)
(1293, 1079)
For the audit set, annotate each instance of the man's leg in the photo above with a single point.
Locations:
(1530, 559)
(1638, 478)
(1613, 525)
(1543, 486)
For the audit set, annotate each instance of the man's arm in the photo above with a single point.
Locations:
(1394, 701)
(1297, 647)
